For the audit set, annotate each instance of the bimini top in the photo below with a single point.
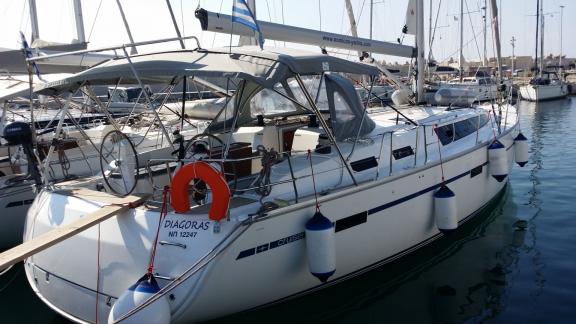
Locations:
(265, 67)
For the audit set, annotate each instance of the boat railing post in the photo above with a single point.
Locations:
(391, 149)
(293, 178)
(416, 147)
(380, 155)
(425, 145)
(148, 100)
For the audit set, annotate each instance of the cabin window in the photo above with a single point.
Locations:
(344, 113)
(483, 120)
(445, 134)
(315, 87)
(465, 127)
(267, 102)
(402, 152)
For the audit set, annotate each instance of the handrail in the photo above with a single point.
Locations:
(113, 48)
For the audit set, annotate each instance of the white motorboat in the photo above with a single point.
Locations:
(304, 192)
(467, 91)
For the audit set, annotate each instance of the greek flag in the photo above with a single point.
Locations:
(28, 53)
(242, 15)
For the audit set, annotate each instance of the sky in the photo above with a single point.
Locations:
(149, 19)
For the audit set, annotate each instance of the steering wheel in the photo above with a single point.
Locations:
(208, 146)
(119, 163)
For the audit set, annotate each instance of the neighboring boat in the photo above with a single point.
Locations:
(547, 85)
(306, 189)
(466, 91)
(544, 88)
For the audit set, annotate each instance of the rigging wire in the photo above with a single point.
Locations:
(214, 34)
(269, 16)
(94, 21)
(182, 18)
(473, 32)
(22, 16)
(283, 23)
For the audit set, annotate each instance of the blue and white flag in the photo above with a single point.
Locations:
(28, 53)
(243, 15)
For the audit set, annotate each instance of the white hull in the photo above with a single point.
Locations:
(543, 92)
(264, 261)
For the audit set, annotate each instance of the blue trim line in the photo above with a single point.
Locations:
(299, 236)
(381, 262)
(416, 194)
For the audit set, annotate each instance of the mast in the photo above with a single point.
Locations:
(430, 31)
(420, 50)
(496, 31)
(372, 15)
(461, 57)
(33, 21)
(541, 38)
(134, 50)
(513, 42)
(79, 20)
(485, 59)
(536, 43)
(353, 25)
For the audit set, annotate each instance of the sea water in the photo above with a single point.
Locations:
(513, 263)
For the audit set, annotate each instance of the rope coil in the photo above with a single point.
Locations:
(269, 158)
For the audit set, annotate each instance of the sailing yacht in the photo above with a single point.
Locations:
(298, 185)
(547, 85)
(376, 183)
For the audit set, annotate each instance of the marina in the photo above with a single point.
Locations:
(528, 260)
(288, 171)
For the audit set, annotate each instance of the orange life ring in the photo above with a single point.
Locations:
(213, 178)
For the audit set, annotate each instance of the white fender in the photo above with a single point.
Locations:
(497, 161)
(144, 288)
(321, 247)
(445, 209)
(521, 149)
